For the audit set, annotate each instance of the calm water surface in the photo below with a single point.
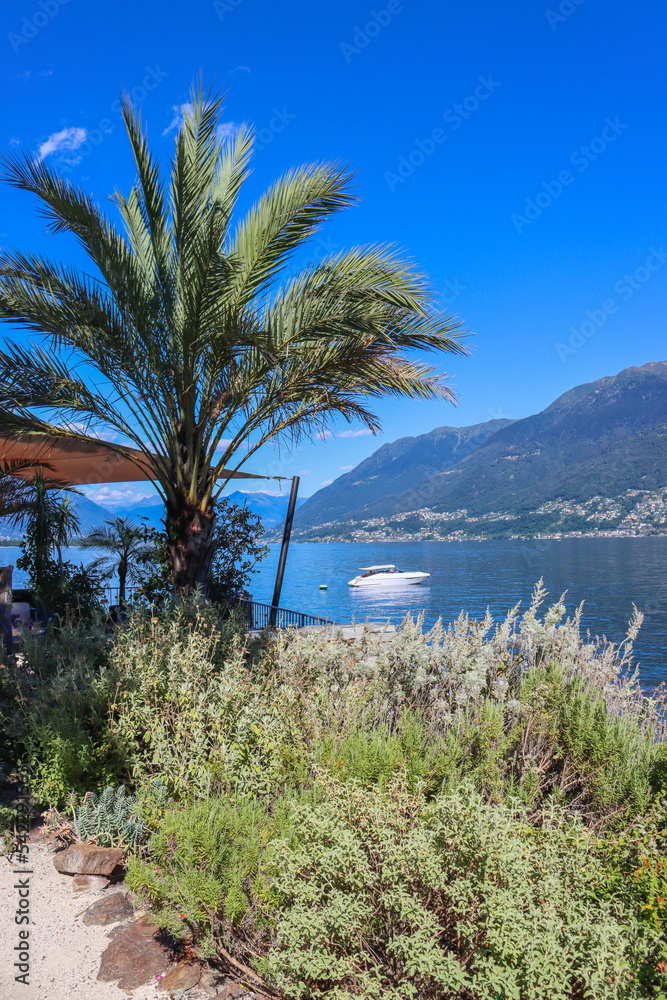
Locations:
(607, 574)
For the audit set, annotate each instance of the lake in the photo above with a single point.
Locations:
(608, 574)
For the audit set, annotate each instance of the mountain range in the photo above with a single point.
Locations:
(271, 507)
(394, 469)
(595, 459)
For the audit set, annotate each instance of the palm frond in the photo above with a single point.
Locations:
(284, 218)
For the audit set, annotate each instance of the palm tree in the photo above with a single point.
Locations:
(50, 520)
(188, 346)
(65, 523)
(123, 543)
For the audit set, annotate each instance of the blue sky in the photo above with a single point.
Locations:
(517, 152)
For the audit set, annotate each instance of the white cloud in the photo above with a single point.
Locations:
(101, 435)
(355, 434)
(14, 142)
(227, 130)
(305, 472)
(68, 138)
(114, 496)
(177, 121)
(327, 482)
(325, 435)
(345, 468)
(223, 443)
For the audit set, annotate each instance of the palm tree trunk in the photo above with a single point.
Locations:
(191, 547)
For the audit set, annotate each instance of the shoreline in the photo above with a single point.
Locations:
(471, 538)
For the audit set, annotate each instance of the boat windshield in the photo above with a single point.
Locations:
(371, 570)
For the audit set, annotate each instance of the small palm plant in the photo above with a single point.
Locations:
(65, 524)
(123, 542)
(50, 521)
(193, 344)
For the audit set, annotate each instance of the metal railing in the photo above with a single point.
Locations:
(260, 616)
(112, 595)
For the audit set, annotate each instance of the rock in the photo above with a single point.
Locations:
(109, 910)
(82, 883)
(212, 982)
(88, 859)
(233, 992)
(116, 930)
(134, 956)
(183, 976)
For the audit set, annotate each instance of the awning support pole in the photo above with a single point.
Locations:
(287, 531)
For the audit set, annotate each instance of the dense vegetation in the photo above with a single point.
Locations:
(476, 812)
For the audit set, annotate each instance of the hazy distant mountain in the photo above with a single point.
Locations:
(150, 511)
(392, 469)
(271, 508)
(91, 515)
(606, 439)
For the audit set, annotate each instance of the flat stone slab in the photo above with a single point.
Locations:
(134, 956)
(88, 859)
(84, 883)
(183, 976)
(109, 910)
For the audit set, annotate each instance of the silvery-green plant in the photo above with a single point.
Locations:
(110, 818)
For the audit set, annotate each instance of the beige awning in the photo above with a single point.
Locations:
(82, 463)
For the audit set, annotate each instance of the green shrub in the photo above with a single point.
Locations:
(636, 865)
(191, 711)
(203, 866)
(110, 818)
(381, 896)
(527, 709)
(55, 710)
(355, 893)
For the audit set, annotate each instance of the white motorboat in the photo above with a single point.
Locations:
(385, 576)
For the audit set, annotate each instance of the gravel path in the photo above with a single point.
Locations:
(65, 953)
